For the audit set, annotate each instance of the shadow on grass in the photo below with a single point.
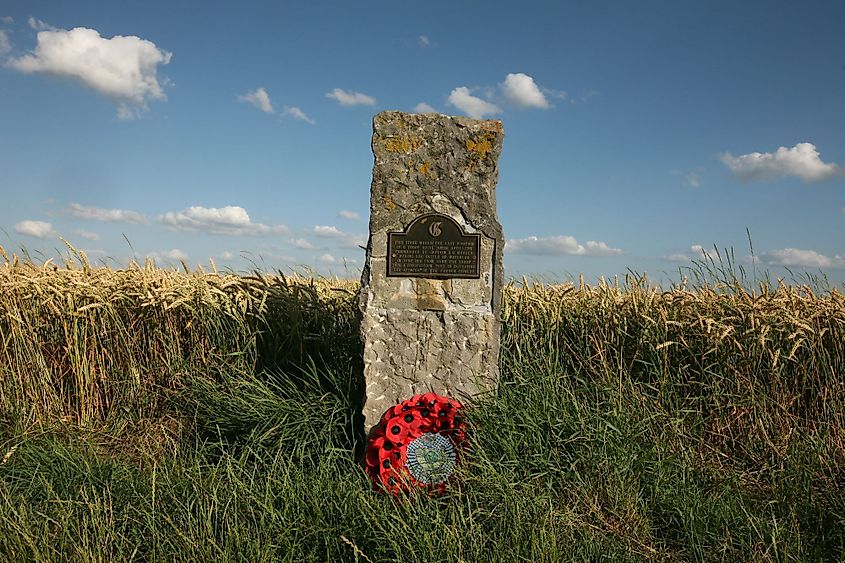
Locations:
(308, 378)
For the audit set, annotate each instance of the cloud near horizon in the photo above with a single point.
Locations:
(802, 161)
(697, 252)
(37, 229)
(559, 246)
(803, 258)
(172, 254)
(122, 68)
(229, 220)
(790, 257)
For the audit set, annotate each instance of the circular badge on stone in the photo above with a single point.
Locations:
(416, 444)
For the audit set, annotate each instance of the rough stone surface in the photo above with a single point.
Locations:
(425, 334)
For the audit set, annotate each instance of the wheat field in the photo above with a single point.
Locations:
(155, 414)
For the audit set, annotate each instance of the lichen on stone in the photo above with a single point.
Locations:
(422, 334)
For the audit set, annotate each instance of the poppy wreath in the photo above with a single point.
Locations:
(416, 444)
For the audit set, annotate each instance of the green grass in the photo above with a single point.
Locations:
(630, 424)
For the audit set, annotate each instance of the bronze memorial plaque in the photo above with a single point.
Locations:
(433, 246)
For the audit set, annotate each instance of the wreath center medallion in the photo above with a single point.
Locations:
(431, 459)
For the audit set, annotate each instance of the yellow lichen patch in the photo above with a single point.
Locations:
(424, 169)
(481, 146)
(389, 203)
(492, 125)
(405, 144)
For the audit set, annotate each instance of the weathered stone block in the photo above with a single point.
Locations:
(431, 331)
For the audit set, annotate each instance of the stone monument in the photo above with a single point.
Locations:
(431, 288)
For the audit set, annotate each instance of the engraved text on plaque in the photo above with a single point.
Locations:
(433, 246)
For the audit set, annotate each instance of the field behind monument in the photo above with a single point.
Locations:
(155, 415)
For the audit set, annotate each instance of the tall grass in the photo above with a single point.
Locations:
(156, 415)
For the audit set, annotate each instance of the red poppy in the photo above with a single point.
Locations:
(416, 444)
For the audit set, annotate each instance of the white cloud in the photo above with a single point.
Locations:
(229, 220)
(173, 254)
(327, 259)
(697, 252)
(802, 160)
(803, 258)
(424, 41)
(259, 98)
(226, 255)
(351, 215)
(474, 107)
(176, 254)
(38, 25)
(7, 19)
(122, 68)
(297, 113)
(423, 107)
(327, 231)
(593, 248)
(559, 246)
(302, 244)
(37, 229)
(521, 90)
(86, 234)
(349, 98)
(100, 214)
(5, 44)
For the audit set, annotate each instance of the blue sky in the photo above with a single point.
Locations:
(639, 135)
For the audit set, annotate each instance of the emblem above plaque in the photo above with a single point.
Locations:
(433, 246)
